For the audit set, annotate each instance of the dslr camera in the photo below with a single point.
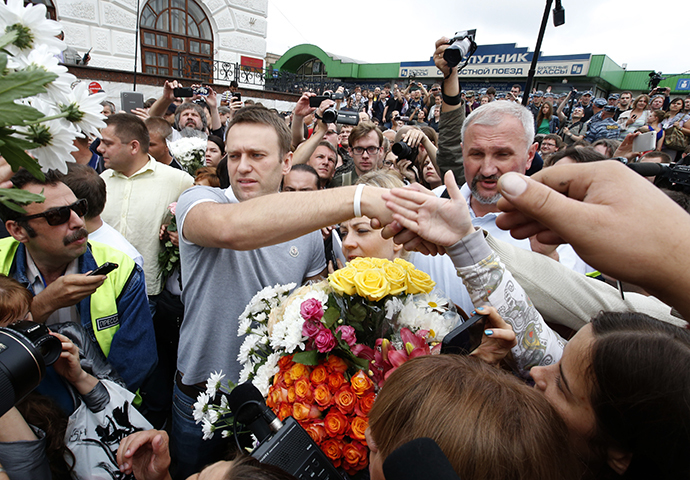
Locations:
(404, 152)
(26, 348)
(462, 46)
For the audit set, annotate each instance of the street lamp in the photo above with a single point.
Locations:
(558, 20)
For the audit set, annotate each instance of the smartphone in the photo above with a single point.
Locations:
(86, 55)
(237, 96)
(131, 100)
(183, 92)
(644, 142)
(465, 338)
(104, 269)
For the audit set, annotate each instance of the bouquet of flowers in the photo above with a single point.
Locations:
(190, 152)
(39, 111)
(169, 258)
(320, 354)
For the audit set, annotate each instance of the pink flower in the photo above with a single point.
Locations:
(347, 334)
(362, 351)
(325, 340)
(311, 309)
(172, 207)
(310, 329)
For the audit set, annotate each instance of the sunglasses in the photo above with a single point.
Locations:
(59, 215)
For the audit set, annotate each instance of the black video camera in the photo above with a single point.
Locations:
(404, 152)
(462, 46)
(26, 348)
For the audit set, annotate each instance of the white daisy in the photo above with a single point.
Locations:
(213, 383)
(85, 110)
(43, 58)
(54, 137)
(212, 415)
(200, 407)
(207, 428)
(31, 23)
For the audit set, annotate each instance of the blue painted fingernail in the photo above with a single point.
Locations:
(488, 333)
(480, 308)
(473, 312)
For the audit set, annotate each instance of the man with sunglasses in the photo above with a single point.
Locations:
(49, 252)
(366, 142)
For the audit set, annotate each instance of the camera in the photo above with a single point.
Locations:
(462, 46)
(202, 91)
(26, 348)
(404, 152)
(315, 101)
(331, 115)
(654, 79)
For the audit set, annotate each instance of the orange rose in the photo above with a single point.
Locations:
(285, 362)
(317, 432)
(323, 396)
(298, 370)
(333, 450)
(335, 381)
(357, 427)
(361, 383)
(335, 422)
(300, 411)
(354, 457)
(291, 395)
(336, 364)
(303, 390)
(284, 411)
(319, 375)
(345, 400)
(365, 404)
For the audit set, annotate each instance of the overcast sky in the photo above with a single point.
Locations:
(640, 33)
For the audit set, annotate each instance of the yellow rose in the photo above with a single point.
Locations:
(372, 284)
(362, 263)
(379, 262)
(342, 281)
(419, 282)
(404, 263)
(397, 277)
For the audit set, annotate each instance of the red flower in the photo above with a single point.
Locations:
(335, 381)
(345, 400)
(325, 341)
(319, 375)
(317, 432)
(354, 457)
(333, 450)
(357, 428)
(335, 423)
(323, 396)
(365, 404)
(361, 384)
(311, 309)
(336, 364)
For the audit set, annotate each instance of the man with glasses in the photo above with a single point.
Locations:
(49, 252)
(365, 142)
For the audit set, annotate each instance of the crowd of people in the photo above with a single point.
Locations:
(580, 373)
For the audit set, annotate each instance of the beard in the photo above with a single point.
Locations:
(78, 235)
(493, 199)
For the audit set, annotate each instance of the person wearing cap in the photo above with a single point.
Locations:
(548, 98)
(586, 104)
(606, 128)
(613, 99)
(536, 102)
(597, 106)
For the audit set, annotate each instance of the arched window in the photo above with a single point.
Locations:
(49, 6)
(313, 69)
(169, 27)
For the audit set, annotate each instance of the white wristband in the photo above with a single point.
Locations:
(358, 200)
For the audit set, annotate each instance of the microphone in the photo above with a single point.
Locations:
(249, 408)
(420, 458)
(649, 169)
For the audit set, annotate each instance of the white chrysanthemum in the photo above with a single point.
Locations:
(393, 307)
(225, 434)
(55, 138)
(200, 407)
(88, 108)
(262, 380)
(31, 22)
(213, 383)
(247, 348)
(224, 405)
(43, 58)
(244, 327)
(212, 415)
(246, 371)
(207, 428)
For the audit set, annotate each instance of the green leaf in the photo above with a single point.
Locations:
(24, 83)
(6, 39)
(3, 59)
(17, 157)
(12, 198)
(14, 114)
(5, 135)
(330, 317)
(361, 363)
(310, 357)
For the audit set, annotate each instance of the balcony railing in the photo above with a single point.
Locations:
(191, 67)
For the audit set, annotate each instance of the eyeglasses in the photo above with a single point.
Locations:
(370, 150)
(59, 215)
